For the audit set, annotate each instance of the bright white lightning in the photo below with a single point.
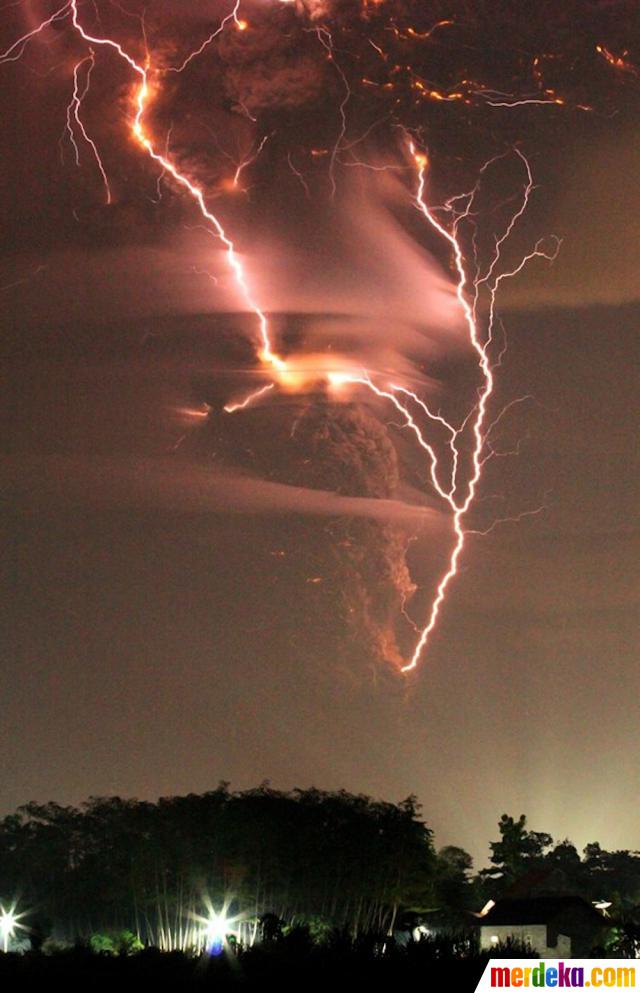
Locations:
(458, 498)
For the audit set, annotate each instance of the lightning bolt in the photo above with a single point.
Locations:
(16, 50)
(469, 286)
(139, 131)
(230, 408)
(249, 160)
(467, 292)
(73, 112)
(325, 39)
(233, 16)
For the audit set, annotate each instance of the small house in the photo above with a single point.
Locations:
(552, 926)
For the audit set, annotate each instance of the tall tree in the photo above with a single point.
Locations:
(516, 853)
(454, 886)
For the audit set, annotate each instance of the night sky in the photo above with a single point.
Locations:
(183, 600)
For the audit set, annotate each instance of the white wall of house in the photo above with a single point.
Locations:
(534, 935)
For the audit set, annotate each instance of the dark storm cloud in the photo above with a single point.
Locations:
(277, 70)
(273, 65)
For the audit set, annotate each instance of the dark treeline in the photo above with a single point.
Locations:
(330, 859)
(326, 861)
(597, 875)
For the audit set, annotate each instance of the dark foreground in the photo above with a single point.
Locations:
(332, 969)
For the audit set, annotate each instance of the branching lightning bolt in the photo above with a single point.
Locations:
(468, 298)
(73, 113)
(140, 133)
(470, 283)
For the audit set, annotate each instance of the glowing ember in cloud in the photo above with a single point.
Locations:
(618, 61)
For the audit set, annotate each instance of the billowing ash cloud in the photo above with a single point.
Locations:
(322, 219)
(352, 568)
(350, 450)
(271, 68)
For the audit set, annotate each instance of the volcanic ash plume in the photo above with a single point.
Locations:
(349, 450)
(352, 568)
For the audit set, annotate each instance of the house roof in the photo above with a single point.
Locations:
(539, 910)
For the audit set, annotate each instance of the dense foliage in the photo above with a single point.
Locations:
(331, 859)
(598, 875)
(122, 874)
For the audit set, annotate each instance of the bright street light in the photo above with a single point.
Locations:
(216, 932)
(8, 924)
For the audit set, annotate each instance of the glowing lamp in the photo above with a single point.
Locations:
(8, 922)
(215, 934)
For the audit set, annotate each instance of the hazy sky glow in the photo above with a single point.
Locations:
(192, 596)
